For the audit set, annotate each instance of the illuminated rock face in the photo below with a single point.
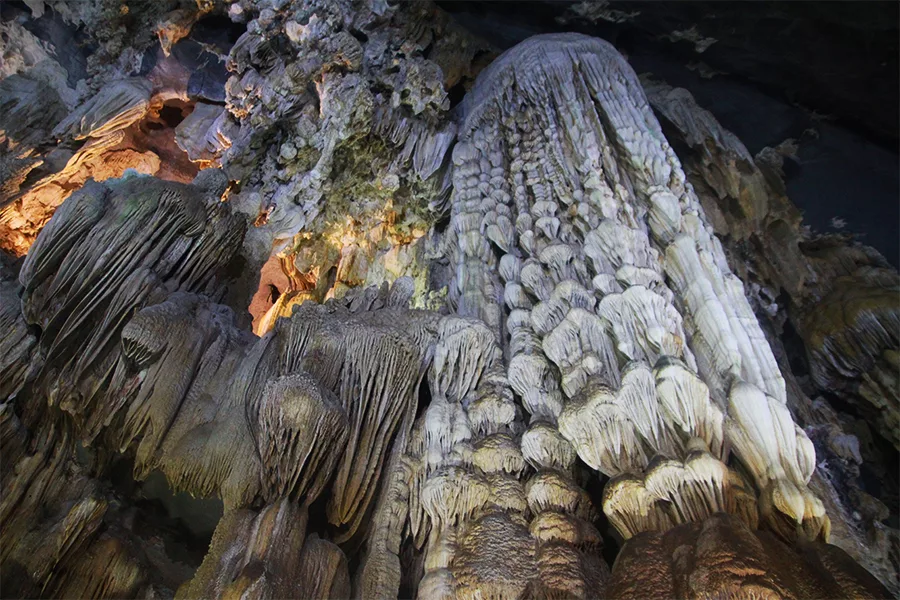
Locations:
(747, 564)
(592, 369)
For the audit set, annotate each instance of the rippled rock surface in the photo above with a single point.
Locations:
(506, 342)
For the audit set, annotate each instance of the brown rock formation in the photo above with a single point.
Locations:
(722, 557)
(573, 360)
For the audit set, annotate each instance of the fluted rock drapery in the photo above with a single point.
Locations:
(594, 337)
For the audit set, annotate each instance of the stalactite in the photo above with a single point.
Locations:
(593, 336)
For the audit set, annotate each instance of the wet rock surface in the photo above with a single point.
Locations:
(340, 299)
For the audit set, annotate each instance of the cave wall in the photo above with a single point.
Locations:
(424, 318)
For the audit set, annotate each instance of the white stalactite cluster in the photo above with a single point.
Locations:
(472, 469)
(627, 335)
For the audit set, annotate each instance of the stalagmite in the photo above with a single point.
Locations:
(746, 563)
(496, 558)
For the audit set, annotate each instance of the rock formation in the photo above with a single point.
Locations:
(491, 342)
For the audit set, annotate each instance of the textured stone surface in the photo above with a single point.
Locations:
(499, 326)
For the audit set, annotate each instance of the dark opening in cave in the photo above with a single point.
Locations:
(879, 473)
(456, 94)
(793, 346)
(168, 117)
(217, 30)
(359, 35)
(171, 115)
(185, 524)
(424, 397)
(318, 514)
(593, 485)
(411, 571)
(156, 133)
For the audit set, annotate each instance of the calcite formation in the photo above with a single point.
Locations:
(796, 282)
(560, 355)
(747, 564)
